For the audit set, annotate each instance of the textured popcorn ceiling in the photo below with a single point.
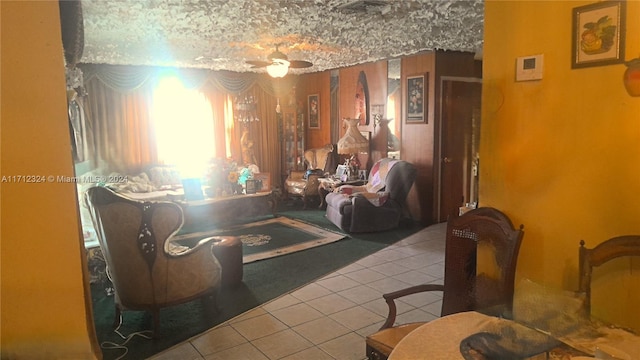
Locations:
(222, 35)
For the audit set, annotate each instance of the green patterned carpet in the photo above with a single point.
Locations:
(263, 281)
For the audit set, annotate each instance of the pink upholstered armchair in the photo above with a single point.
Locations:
(147, 269)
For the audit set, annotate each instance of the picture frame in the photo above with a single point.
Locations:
(362, 174)
(313, 103)
(416, 104)
(341, 170)
(251, 186)
(192, 189)
(598, 34)
(265, 179)
(377, 113)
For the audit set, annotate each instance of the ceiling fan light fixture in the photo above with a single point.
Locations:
(278, 68)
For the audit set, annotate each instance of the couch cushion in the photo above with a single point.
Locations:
(294, 186)
(376, 199)
(163, 176)
(337, 200)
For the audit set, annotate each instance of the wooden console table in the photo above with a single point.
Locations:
(228, 209)
(218, 210)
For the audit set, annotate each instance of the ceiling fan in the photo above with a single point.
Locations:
(279, 64)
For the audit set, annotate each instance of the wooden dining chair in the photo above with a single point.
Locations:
(480, 261)
(620, 246)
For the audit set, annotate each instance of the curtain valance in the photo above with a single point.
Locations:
(124, 78)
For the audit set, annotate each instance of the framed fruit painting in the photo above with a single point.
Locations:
(598, 34)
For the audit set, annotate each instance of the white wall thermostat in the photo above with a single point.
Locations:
(529, 67)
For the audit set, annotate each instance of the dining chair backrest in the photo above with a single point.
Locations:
(480, 262)
(620, 246)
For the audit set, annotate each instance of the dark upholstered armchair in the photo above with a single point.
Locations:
(147, 269)
(376, 206)
(304, 185)
(479, 271)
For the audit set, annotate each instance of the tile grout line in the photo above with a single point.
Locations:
(363, 265)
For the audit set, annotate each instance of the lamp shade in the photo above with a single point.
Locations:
(352, 142)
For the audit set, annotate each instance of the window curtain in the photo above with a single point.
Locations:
(120, 134)
(121, 131)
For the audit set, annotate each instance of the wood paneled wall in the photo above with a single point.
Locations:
(418, 140)
(319, 83)
(376, 74)
(310, 84)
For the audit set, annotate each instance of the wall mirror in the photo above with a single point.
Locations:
(392, 118)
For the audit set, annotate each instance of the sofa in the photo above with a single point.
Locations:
(377, 206)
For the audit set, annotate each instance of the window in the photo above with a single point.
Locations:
(183, 126)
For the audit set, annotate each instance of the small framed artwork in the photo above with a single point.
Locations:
(598, 34)
(416, 105)
(251, 186)
(192, 189)
(362, 174)
(314, 111)
(263, 178)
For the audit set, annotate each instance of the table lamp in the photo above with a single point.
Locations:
(352, 143)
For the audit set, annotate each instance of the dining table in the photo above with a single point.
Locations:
(442, 338)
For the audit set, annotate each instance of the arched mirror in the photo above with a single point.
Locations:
(394, 103)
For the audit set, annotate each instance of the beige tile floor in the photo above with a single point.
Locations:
(330, 318)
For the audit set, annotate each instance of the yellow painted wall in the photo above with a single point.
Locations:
(44, 314)
(560, 155)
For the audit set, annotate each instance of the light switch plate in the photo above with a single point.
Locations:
(529, 67)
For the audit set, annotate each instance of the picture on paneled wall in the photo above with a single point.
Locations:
(314, 111)
(416, 105)
(598, 34)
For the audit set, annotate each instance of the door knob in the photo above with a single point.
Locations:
(446, 160)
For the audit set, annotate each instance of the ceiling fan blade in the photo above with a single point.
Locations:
(299, 64)
(258, 64)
